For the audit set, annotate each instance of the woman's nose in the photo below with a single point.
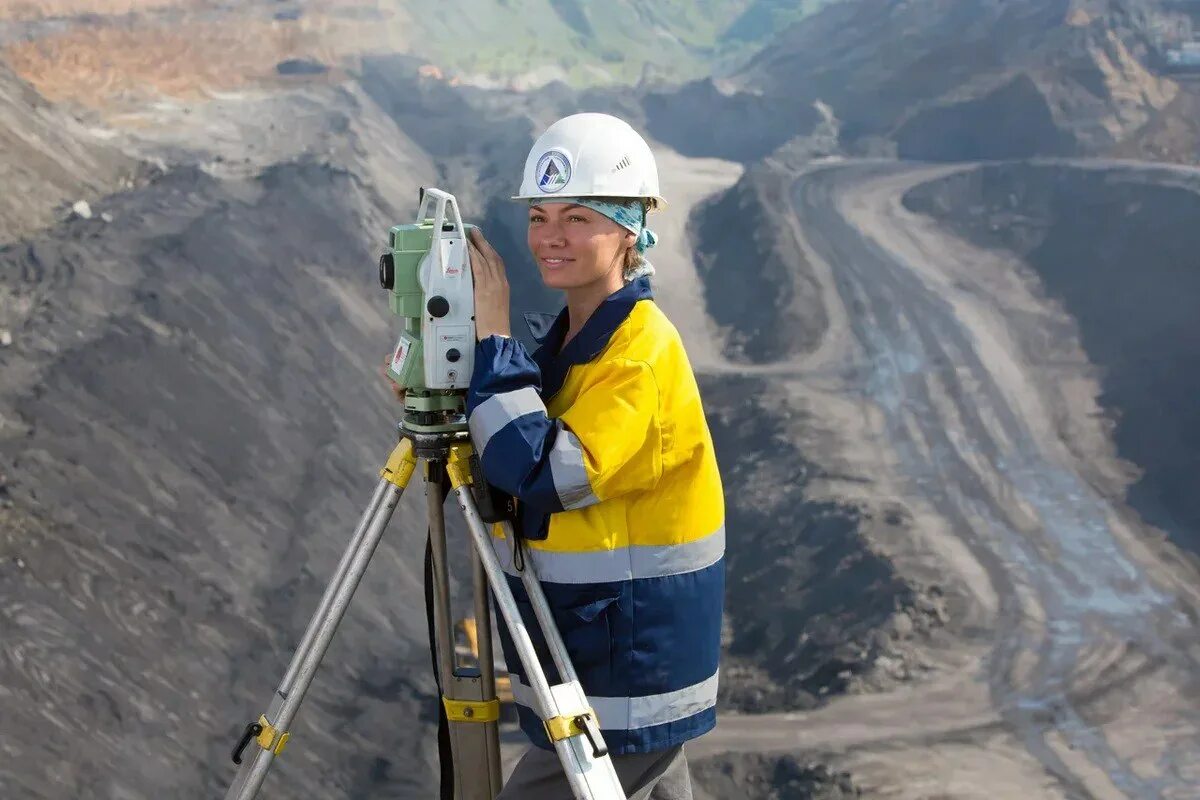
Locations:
(552, 236)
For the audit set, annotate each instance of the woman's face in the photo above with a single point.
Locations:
(574, 245)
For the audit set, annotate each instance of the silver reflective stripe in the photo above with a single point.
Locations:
(567, 471)
(500, 409)
(628, 713)
(628, 563)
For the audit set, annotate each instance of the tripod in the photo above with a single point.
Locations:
(469, 696)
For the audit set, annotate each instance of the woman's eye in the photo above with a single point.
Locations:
(577, 218)
(536, 218)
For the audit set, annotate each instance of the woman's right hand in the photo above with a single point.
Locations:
(491, 288)
(397, 389)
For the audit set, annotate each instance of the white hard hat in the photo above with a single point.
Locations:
(590, 155)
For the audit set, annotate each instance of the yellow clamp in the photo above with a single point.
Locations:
(400, 465)
(458, 465)
(267, 739)
(559, 728)
(471, 710)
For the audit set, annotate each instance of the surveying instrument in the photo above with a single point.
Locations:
(427, 271)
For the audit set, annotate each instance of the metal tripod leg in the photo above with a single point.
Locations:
(268, 736)
(469, 695)
(339, 574)
(570, 723)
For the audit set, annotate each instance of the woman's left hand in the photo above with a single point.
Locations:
(491, 288)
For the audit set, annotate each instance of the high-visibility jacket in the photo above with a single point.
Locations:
(606, 449)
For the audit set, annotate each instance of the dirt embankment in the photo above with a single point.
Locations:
(757, 286)
(1012, 121)
(813, 609)
(49, 161)
(192, 416)
(1118, 248)
(76, 76)
(739, 126)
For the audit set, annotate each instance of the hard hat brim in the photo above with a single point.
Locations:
(656, 203)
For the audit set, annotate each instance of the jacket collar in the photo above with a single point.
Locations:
(548, 330)
(539, 324)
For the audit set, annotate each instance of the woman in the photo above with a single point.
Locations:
(601, 438)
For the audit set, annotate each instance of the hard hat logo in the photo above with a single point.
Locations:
(553, 171)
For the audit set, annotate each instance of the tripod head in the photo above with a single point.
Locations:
(427, 271)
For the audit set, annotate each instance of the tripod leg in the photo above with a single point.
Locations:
(270, 733)
(570, 723)
(339, 574)
(442, 624)
(487, 663)
(545, 618)
(472, 710)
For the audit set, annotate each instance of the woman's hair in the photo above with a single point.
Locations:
(635, 264)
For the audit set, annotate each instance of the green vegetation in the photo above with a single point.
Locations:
(593, 42)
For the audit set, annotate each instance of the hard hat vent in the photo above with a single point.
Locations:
(622, 164)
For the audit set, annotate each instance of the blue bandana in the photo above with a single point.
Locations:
(630, 215)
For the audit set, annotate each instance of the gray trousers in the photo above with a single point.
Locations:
(661, 775)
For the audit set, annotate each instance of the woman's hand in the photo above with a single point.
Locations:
(396, 388)
(491, 288)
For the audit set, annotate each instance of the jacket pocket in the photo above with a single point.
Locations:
(585, 623)
(532, 524)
